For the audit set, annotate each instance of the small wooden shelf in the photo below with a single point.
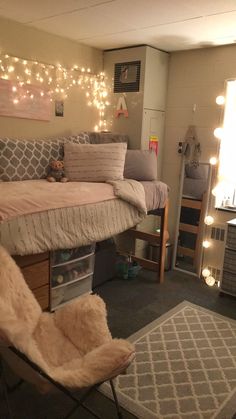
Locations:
(192, 229)
(152, 238)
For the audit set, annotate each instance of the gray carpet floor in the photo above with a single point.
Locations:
(131, 305)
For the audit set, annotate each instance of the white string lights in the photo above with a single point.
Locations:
(53, 81)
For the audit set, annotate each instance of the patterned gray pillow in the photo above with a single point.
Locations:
(26, 159)
(81, 138)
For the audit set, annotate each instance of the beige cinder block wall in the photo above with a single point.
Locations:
(196, 77)
(29, 43)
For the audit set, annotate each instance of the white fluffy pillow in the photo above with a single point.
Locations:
(94, 162)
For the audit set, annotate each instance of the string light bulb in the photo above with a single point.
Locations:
(208, 220)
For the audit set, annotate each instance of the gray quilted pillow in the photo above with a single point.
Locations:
(26, 159)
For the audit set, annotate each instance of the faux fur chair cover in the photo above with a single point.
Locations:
(72, 345)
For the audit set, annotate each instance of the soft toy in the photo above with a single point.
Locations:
(56, 172)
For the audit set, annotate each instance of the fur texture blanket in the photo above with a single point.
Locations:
(72, 345)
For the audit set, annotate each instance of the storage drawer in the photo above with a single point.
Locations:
(230, 261)
(63, 256)
(64, 293)
(42, 296)
(228, 282)
(231, 237)
(37, 275)
(72, 270)
(29, 260)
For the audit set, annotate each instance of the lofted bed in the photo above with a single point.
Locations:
(38, 217)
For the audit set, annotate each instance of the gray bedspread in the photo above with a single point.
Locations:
(156, 194)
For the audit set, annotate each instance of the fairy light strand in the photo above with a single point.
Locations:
(54, 81)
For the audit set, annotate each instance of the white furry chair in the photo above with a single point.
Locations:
(71, 347)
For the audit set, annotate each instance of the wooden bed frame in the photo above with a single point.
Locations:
(155, 239)
(37, 268)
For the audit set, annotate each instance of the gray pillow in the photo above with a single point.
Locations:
(26, 159)
(140, 165)
(107, 137)
(81, 138)
(94, 162)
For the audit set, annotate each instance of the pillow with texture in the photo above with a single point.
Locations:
(140, 165)
(94, 162)
(28, 159)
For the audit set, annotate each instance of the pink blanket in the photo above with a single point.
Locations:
(31, 196)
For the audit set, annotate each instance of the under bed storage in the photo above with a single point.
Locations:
(71, 274)
(36, 271)
(59, 276)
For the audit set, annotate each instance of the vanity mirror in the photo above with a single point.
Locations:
(193, 198)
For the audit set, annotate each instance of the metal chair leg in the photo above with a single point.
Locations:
(80, 403)
(119, 414)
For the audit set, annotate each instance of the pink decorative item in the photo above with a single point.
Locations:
(121, 108)
(153, 143)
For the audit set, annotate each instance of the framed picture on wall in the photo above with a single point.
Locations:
(127, 77)
(59, 108)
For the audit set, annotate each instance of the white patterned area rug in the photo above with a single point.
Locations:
(185, 367)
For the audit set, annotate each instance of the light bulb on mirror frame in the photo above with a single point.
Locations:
(210, 280)
(213, 161)
(208, 220)
(218, 132)
(220, 100)
(206, 244)
(206, 272)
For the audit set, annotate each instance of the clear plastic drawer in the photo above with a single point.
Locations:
(72, 271)
(63, 294)
(67, 255)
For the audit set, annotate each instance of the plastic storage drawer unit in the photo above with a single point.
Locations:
(71, 274)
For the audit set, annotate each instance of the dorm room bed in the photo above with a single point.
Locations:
(38, 217)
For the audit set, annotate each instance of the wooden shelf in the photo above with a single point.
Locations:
(36, 271)
(159, 239)
(152, 238)
(186, 251)
(191, 203)
(197, 230)
(146, 263)
(189, 228)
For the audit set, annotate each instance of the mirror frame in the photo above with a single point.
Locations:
(207, 201)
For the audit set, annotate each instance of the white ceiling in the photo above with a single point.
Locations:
(170, 25)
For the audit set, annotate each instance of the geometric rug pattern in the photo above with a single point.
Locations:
(185, 367)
